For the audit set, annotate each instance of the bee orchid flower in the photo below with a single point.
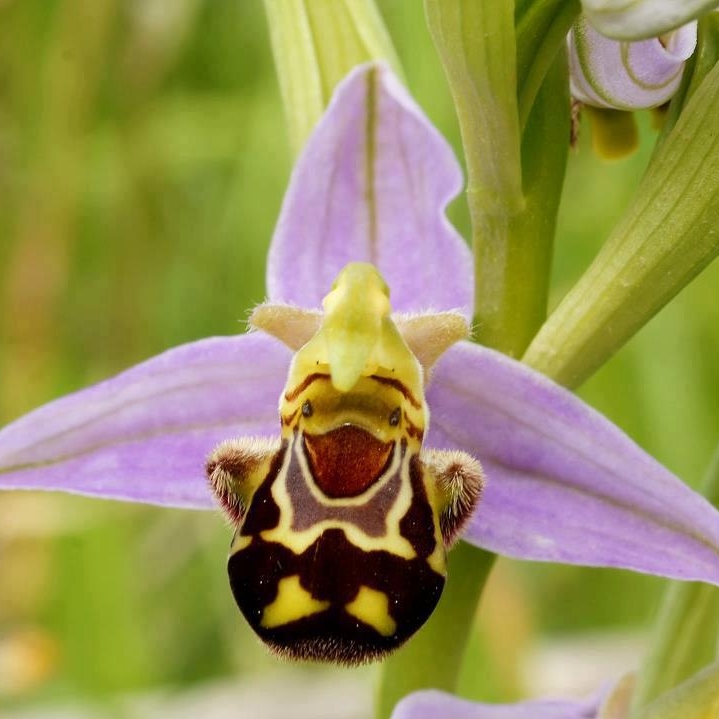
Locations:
(371, 186)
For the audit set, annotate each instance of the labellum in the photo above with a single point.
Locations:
(342, 523)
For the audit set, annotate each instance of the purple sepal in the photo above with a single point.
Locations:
(143, 435)
(564, 483)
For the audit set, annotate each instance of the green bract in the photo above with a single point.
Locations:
(668, 235)
(315, 44)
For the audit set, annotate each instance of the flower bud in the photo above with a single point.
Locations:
(625, 75)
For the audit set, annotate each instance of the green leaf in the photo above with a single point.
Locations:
(668, 235)
(697, 698)
(637, 19)
(315, 43)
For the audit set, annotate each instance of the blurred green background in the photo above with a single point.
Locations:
(143, 161)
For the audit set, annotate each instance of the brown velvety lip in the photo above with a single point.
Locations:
(347, 460)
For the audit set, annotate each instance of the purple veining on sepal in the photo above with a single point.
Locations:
(372, 184)
(438, 705)
(565, 484)
(143, 435)
(627, 75)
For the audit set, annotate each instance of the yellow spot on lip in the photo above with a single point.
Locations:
(293, 602)
(240, 542)
(372, 607)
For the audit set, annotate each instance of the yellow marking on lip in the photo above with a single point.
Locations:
(240, 542)
(372, 607)
(293, 602)
(299, 540)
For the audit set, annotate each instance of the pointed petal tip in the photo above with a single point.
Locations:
(144, 435)
(372, 185)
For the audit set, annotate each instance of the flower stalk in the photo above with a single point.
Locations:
(698, 66)
(477, 47)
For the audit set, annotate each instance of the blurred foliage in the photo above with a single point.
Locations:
(143, 160)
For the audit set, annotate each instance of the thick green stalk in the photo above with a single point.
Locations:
(315, 43)
(475, 40)
(685, 636)
(434, 655)
(513, 190)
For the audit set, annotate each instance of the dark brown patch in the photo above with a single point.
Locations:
(263, 512)
(346, 461)
(333, 569)
(400, 386)
(293, 394)
(288, 419)
(417, 525)
(412, 429)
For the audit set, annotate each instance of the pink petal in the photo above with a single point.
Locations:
(438, 705)
(143, 435)
(372, 184)
(564, 483)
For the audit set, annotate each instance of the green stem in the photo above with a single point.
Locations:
(476, 43)
(513, 190)
(542, 27)
(545, 145)
(513, 233)
(434, 655)
(685, 636)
